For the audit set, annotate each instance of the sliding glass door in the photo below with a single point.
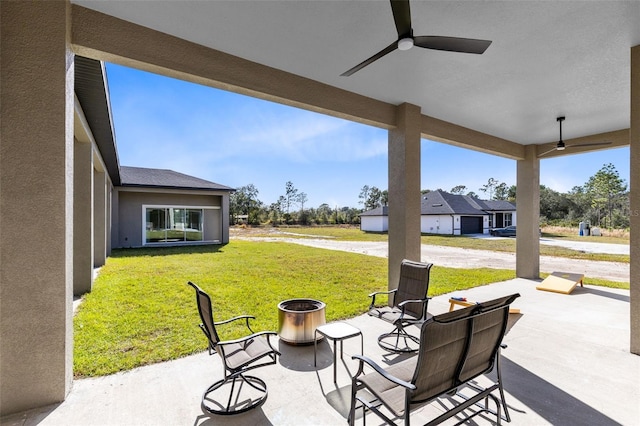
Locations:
(173, 224)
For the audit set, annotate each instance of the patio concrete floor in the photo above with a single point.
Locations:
(567, 363)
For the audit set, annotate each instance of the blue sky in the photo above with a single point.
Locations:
(237, 140)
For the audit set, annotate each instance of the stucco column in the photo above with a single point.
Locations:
(99, 217)
(404, 190)
(528, 215)
(36, 204)
(634, 141)
(82, 218)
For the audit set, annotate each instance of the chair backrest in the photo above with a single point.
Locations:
(413, 284)
(206, 316)
(457, 346)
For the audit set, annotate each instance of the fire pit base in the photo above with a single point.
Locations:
(298, 320)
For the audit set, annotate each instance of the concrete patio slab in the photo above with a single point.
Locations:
(567, 363)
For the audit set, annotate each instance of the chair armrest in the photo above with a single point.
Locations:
(401, 304)
(382, 292)
(375, 293)
(245, 317)
(381, 371)
(234, 319)
(251, 336)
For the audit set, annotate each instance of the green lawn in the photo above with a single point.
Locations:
(141, 310)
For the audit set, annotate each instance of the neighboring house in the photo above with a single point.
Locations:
(159, 207)
(449, 214)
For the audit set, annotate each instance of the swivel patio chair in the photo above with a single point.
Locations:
(238, 356)
(455, 349)
(407, 306)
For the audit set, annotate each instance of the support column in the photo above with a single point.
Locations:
(404, 190)
(36, 204)
(528, 215)
(82, 218)
(99, 218)
(634, 195)
(225, 219)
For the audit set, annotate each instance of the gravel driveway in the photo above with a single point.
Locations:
(455, 257)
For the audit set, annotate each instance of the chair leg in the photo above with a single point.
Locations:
(397, 334)
(499, 375)
(251, 402)
(352, 411)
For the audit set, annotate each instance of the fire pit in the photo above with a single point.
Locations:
(298, 320)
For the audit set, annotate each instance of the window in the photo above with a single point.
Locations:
(508, 219)
(173, 224)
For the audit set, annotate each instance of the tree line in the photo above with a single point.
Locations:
(602, 201)
(289, 209)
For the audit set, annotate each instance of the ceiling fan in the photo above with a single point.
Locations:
(561, 146)
(406, 39)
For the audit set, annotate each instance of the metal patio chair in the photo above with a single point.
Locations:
(238, 356)
(408, 306)
(455, 349)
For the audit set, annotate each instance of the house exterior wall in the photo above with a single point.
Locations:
(436, 224)
(130, 212)
(374, 223)
(429, 224)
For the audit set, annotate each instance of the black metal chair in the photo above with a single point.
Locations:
(238, 357)
(455, 348)
(408, 306)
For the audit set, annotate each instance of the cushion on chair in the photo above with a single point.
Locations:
(389, 314)
(391, 394)
(240, 354)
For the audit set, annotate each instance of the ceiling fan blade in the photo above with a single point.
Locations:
(393, 46)
(589, 144)
(577, 145)
(452, 44)
(546, 152)
(402, 17)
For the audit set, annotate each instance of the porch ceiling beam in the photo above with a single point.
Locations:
(452, 134)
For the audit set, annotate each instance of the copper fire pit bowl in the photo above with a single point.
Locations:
(298, 320)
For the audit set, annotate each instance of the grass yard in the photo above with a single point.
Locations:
(141, 310)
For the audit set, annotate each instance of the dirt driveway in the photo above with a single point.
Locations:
(455, 257)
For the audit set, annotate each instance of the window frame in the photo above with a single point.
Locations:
(167, 207)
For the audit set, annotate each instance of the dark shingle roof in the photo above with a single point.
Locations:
(162, 178)
(378, 211)
(499, 205)
(440, 202)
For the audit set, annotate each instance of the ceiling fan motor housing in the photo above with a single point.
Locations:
(560, 146)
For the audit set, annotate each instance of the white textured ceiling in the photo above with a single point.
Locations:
(548, 58)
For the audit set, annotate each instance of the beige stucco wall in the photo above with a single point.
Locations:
(36, 204)
(528, 212)
(130, 213)
(100, 183)
(404, 190)
(82, 218)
